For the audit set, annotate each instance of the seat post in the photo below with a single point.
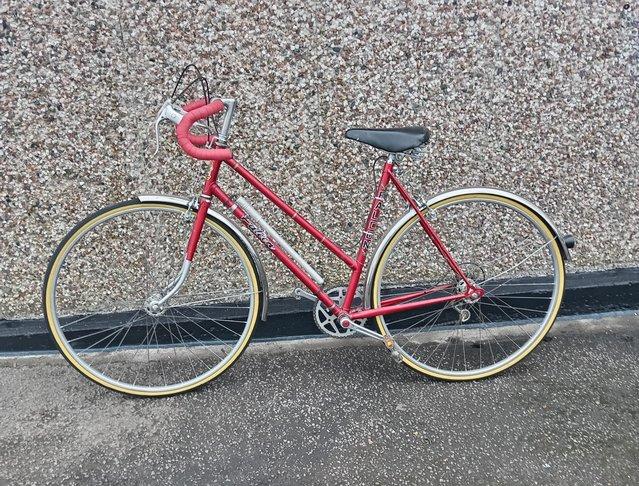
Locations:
(393, 158)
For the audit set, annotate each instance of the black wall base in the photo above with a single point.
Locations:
(591, 292)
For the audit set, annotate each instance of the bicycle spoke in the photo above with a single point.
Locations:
(118, 266)
(211, 319)
(515, 308)
(500, 249)
(510, 318)
(430, 323)
(545, 245)
(216, 298)
(205, 330)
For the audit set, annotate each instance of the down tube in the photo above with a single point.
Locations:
(272, 246)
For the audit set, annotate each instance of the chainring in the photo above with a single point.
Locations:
(327, 322)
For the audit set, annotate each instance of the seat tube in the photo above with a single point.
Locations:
(367, 233)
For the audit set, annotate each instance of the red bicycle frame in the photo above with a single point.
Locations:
(388, 306)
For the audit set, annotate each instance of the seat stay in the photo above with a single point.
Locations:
(430, 231)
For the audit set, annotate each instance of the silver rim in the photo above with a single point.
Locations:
(501, 328)
(196, 334)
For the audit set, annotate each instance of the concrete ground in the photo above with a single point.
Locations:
(339, 412)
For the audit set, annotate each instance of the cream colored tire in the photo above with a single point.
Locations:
(530, 329)
(168, 350)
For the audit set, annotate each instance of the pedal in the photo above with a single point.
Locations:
(299, 293)
(388, 342)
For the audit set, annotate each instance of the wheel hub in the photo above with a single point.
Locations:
(153, 307)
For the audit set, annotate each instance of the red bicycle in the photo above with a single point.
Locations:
(158, 295)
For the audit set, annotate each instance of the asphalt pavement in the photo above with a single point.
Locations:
(324, 411)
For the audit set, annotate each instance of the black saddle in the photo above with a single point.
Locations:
(390, 139)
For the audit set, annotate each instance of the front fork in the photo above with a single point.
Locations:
(156, 304)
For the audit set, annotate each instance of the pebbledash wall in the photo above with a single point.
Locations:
(535, 97)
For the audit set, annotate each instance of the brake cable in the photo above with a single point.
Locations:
(205, 89)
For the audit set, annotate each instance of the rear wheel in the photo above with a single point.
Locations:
(506, 249)
(111, 267)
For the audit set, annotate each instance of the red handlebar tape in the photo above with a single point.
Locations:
(199, 110)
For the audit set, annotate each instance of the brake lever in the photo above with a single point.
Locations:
(158, 119)
(167, 112)
(157, 137)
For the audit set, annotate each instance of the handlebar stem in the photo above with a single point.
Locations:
(230, 104)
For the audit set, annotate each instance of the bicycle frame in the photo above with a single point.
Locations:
(388, 306)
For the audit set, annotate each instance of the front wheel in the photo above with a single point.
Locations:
(107, 273)
(502, 246)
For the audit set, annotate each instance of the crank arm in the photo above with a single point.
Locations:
(346, 323)
(388, 341)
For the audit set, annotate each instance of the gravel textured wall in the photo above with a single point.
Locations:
(535, 97)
